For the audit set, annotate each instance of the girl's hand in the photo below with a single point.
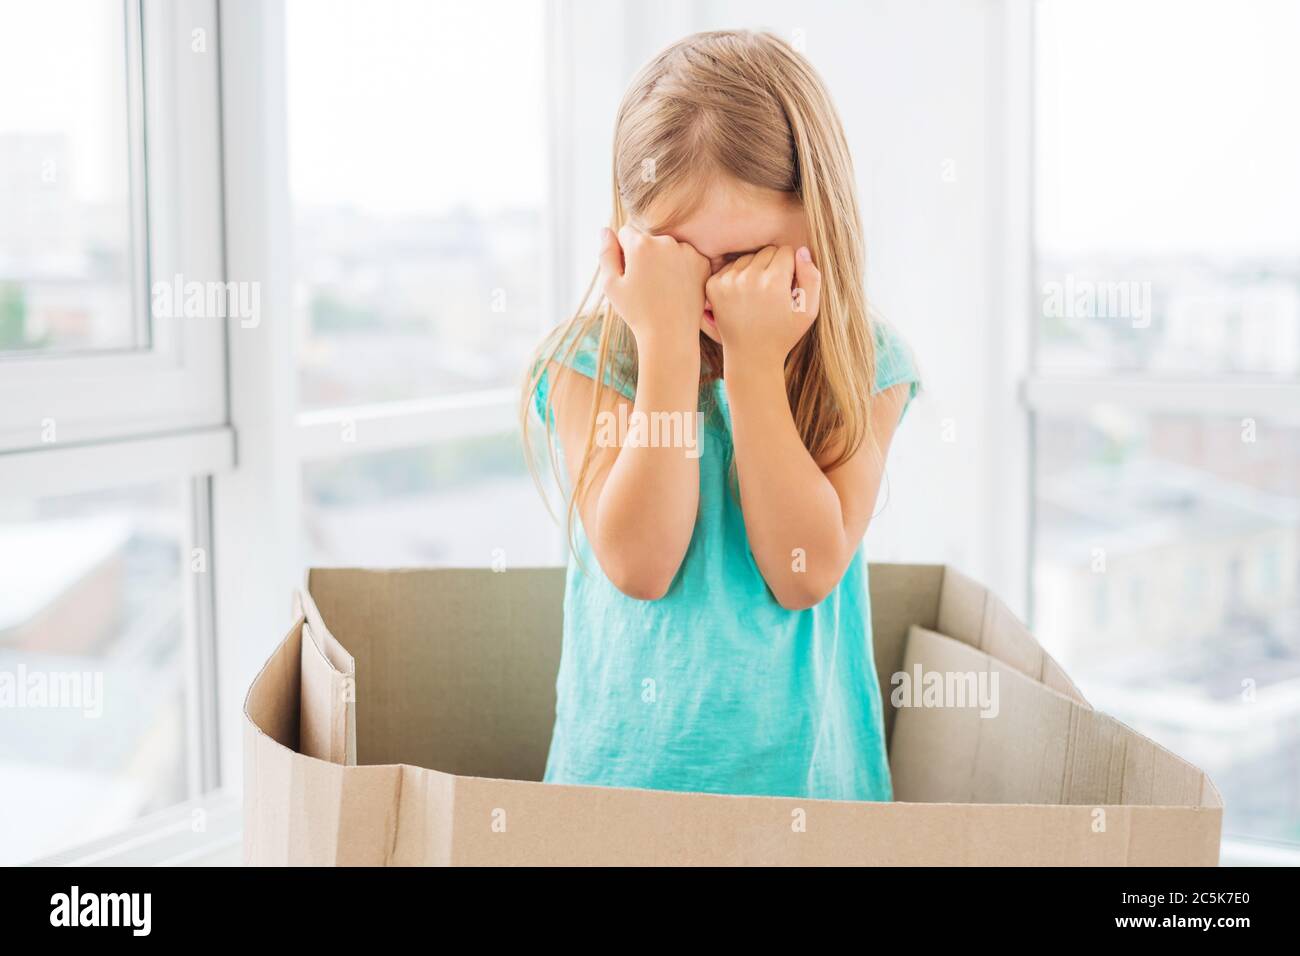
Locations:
(656, 284)
(763, 303)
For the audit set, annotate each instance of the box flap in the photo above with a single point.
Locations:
(901, 595)
(301, 810)
(272, 702)
(326, 707)
(328, 727)
(338, 657)
(972, 729)
(974, 615)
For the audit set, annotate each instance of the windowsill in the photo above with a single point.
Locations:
(1235, 851)
(204, 832)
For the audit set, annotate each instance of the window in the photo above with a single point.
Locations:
(66, 200)
(418, 210)
(460, 503)
(112, 415)
(1168, 212)
(1167, 470)
(111, 184)
(421, 276)
(1196, 519)
(95, 664)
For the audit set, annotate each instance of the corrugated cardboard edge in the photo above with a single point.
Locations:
(271, 714)
(971, 613)
(1070, 755)
(337, 655)
(329, 688)
(508, 822)
(325, 704)
(303, 811)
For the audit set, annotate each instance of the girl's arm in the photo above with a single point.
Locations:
(639, 505)
(803, 523)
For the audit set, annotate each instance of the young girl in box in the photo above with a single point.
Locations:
(717, 633)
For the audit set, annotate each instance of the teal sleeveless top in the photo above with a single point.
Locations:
(716, 688)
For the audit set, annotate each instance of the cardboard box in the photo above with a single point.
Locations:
(406, 718)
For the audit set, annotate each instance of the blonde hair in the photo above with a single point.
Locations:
(745, 105)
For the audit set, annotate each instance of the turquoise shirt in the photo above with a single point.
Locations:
(715, 687)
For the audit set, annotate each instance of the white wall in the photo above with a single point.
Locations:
(919, 87)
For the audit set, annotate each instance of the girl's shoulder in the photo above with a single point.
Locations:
(895, 361)
(576, 346)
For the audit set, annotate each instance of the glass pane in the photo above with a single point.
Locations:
(65, 221)
(417, 207)
(93, 683)
(467, 503)
(1167, 204)
(1167, 582)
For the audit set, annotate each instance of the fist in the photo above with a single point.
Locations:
(655, 283)
(764, 303)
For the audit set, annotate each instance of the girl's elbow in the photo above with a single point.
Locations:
(638, 582)
(642, 588)
(799, 601)
(802, 594)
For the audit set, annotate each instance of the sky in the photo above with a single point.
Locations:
(407, 106)
(62, 71)
(1169, 125)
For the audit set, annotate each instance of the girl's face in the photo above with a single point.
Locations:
(735, 219)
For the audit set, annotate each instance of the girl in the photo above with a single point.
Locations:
(717, 632)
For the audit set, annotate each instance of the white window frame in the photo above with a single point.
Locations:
(176, 382)
(157, 412)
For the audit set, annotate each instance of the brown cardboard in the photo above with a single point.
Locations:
(323, 713)
(455, 693)
(327, 715)
(1041, 747)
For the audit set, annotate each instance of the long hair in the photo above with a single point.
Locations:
(744, 105)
